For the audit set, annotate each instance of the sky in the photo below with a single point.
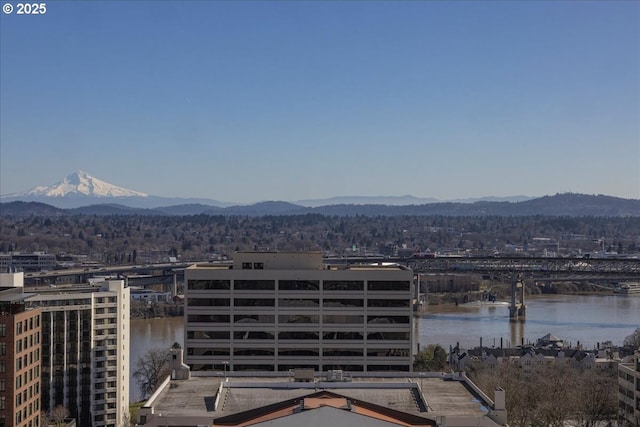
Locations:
(252, 101)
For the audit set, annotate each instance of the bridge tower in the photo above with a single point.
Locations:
(517, 307)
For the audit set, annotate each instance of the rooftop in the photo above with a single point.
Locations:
(205, 399)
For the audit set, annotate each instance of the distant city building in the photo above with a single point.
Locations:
(85, 352)
(37, 261)
(549, 350)
(149, 295)
(276, 311)
(629, 391)
(20, 356)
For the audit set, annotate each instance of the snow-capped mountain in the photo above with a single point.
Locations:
(81, 183)
(81, 189)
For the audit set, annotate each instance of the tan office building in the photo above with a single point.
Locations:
(276, 311)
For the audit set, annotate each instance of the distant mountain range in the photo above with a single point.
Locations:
(82, 194)
(568, 204)
(80, 189)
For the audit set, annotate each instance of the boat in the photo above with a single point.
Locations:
(486, 303)
(628, 288)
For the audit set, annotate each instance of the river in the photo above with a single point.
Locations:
(151, 333)
(590, 319)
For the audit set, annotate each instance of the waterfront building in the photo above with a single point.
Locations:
(629, 391)
(37, 261)
(530, 358)
(20, 355)
(85, 352)
(276, 311)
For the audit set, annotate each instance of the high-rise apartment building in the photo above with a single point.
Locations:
(20, 355)
(85, 352)
(276, 311)
(629, 391)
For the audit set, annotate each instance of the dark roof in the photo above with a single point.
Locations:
(253, 414)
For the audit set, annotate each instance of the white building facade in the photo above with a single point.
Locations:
(85, 353)
(277, 311)
(629, 391)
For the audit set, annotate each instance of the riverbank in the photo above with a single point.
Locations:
(502, 292)
(152, 310)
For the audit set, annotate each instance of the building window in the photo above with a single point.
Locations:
(212, 335)
(254, 318)
(299, 318)
(254, 285)
(342, 303)
(209, 284)
(3, 329)
(210, 318)
(247, 266)
(299, 302)
(343, 318)
(254, 302)
(383, 303)
(299, 285)
(208, 302)
(3, 349)
(343, 285)
(388, 285)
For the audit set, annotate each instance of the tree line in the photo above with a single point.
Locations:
(121, 239)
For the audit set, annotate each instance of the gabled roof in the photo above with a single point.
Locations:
(550, 338)
(311, 407)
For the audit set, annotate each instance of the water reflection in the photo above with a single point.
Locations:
(517, 332)
(588, 319)
(151, 333)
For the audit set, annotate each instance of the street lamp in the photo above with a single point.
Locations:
(225, 364)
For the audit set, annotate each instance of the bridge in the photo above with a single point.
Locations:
(536, 268)
(511, 269)
(514, 270)
(166, 274)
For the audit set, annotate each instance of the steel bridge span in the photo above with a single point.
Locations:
(556, 269)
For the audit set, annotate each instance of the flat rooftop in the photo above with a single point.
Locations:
(198, 396)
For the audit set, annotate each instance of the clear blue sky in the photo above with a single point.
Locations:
(250, 101)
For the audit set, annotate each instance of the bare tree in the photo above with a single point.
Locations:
(633, 340)
(152, 368)
(597, 398)
(551, 395)
(57, 416)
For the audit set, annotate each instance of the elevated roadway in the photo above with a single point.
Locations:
(539, 268)
(137, 275)
(542, 269)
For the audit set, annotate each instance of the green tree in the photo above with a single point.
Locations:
(431, 359)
